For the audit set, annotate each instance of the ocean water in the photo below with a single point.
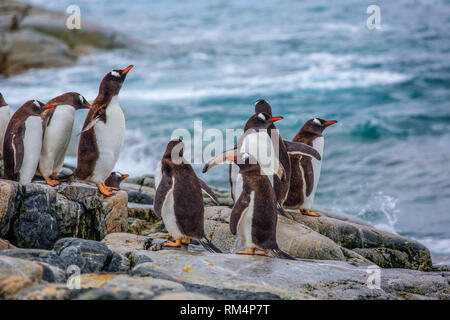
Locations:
(387, 160)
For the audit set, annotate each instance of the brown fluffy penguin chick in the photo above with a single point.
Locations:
(254, 215)
(179, 199)
(306, 171)
(114, 179)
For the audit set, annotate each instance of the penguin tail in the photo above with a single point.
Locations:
(281, 210)
(278, 253)
(209, 246)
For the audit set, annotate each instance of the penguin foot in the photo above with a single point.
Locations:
(310, 213)
(106, 191)
(186, 241)
(264, 253)
(250, 251)
(176, 244)
(51, 182)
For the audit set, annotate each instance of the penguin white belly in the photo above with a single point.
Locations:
(110, 136)
(168, 214)
(237, 182)
(32, 143)
(318, 144)
(245, 224)
(260, 146)
(56, 140)
(4, 119)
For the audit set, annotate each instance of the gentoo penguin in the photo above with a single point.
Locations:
(263, 113)
(103, 133)
(57, 134)
(254, 214)
(306, 171)
(4, 119)
(23, 142)
(114, 179)
(178, 198)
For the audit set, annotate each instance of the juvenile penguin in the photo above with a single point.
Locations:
(306, 171)
(103, 133)
(114, 179)
(23, 142)
(4, 119)
(178, 198)
(57, 134)
(254, 215)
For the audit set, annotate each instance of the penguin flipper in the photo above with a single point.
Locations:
(162, 191)
(99, 115)
(239, 208)
(308, 174)
(18, 150)
(301, 149)
(208, 190)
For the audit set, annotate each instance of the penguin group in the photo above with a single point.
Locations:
(35, 139)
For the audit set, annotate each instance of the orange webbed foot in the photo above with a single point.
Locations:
(186, 241)
(51, 182)
(310, 213)
(106, 191)
(250, 251)
(175, 244)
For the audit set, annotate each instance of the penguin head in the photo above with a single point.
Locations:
(35, 107)
(120, 177)
(174, 150)
(73, 99)
(317, 125)
(263, 106)
(112, 81)
(2, 101)
(261, 120)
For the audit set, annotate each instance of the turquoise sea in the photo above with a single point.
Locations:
(387, 160)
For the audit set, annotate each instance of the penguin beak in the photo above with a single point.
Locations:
(275, 119)
(329, 123)
(125, 176)
(87, 106)
(48, 107)
(125, 71)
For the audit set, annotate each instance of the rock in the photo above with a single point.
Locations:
(125, 287)
(45, 292)
(34, 37)
(139, 197)
(384, 248)
(228, 276)
(125, 243)
(292, 237)
(140, 211)
(89, 256)
(4, 245)
(10, 200)
(37, 215)
(183, 296)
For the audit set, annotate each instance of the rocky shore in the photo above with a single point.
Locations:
(49, 235)
(33, 37)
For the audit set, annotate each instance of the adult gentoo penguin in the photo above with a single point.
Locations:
(103, 133)
(23, 142)
(306, 171)
(263, 112)
(254, 215)
(57, 134)
(115, 178)
(4, 119)
(178, 198)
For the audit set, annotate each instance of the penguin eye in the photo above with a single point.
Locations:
(115, 74)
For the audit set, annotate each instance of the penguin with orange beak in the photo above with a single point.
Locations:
(114, 179)
(23, 141)
(305, 170)
(103, 133)
(58, 132)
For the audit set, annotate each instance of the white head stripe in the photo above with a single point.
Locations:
(245, 156)
(115, 74)
(317, 121)
(81, 98)
(261, 116)
(36, 103)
